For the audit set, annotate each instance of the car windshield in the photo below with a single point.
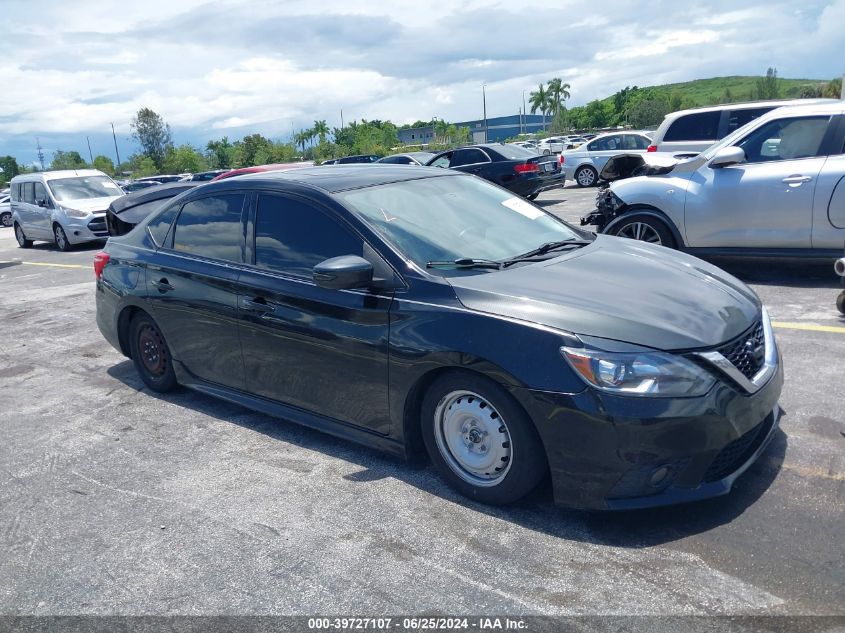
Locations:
(455, 217)
(83, 187)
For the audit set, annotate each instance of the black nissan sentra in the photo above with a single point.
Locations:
(417, 309)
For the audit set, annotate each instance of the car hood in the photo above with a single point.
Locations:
(623, 290)
(90, 205)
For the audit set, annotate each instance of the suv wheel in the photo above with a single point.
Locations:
(481, 441)
(21, 238)
(151, 355)
(60, 236)
(586, 176)
(645, 229)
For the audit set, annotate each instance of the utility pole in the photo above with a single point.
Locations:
(341, 118)
(484, 102)
(40, 152)
(524, 111)
(90, 154)
(520, 121)
(116, 153)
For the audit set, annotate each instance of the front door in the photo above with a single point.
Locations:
(766, 201)
(829, 202)
(325, 351)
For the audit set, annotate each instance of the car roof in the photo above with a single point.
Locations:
(334, 178)
(53, 175)
(773, 103)
(149, 194)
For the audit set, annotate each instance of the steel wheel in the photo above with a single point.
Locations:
(151, 355)
(640, 231)
(586, 176)
(472, 438)
(153, 351)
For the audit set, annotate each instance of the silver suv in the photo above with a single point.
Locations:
(774, 187)
(692, 131)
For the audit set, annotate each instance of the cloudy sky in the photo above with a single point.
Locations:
(236, 67)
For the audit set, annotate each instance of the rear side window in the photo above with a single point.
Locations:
(738, 118)
(700, 126)
(160, 225)
(16, 192)
(211, 227)
(606, 144)
(292, 236)
(28, 192)
(468, 157)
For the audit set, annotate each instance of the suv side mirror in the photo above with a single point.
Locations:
(343, 273)
(728, 156)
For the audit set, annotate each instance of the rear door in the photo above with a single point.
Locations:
(602, 149)
(767, 201)
(325, 351)
(191, 287)
(829, 200)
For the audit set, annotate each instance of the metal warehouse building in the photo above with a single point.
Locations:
(498, 129)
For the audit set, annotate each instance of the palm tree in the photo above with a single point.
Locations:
(300, 138)
(321, 129)
(558, 92)
(441, 130)
(539, 100)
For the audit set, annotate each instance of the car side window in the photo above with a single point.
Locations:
(608, 143)
(738, 118)
(29, 192)
(160, 224)
(211, 227)
(293, 236)
(40, 193)
(632, 141)
(785, 139)
(442, 161)
(699, 126)
(469, 156)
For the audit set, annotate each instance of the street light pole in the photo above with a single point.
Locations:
(484, 101)
(117, 167)
(524, 112)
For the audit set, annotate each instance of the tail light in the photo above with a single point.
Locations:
(560, 159)
(100, 261)
(652, 148)
(527, 168)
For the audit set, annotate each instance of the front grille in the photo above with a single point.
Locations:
(737, 452)
(748, 352)
(98, 226)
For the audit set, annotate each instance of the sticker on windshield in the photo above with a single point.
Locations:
(110, 185)
(521, 206)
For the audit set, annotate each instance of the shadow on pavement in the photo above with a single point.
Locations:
(633, 529)
(776, 272)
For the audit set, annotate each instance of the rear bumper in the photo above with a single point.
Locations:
(529, 185)
(614, 453)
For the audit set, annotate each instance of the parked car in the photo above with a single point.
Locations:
(360, 158)
(572, 142)
(519, 170)
(694, 130)
(409, 308)
(127, 211)
(330, 161)
(551, 145)
(839, 267)
(138, 185)
(774, 187)
(162, 178)
(584, 163)
(5, 210)
(64, 207)
(411, 158)
(205, 176)
(259, 168)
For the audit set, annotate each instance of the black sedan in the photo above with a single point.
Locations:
(514, 168)
(420, 309)
(127, 211)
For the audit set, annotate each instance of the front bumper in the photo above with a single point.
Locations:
(612, 452)
(88, 229)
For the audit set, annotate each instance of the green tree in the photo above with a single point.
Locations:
(648, 112)
(184, 159)
(68, 160)
(220, 154)
(153, 134)
(539, 100)
(141, 165)
(104, 164)
(767, 87)
(8, 168)
(833, 89)
(321, 130)
(247, 149)
(557, 93)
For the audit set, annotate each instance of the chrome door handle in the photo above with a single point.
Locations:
(796, 180)
(163, 285)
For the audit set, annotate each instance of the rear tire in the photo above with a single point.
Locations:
(644, 228)
(840, 302)
(586, 176)
(21, 238)
(6, 219)
(60, 237)
(151, 355)
(480, 440)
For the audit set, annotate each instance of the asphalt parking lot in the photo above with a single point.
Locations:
(116, 500)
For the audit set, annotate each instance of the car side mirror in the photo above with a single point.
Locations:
(728, 156)
(344, 273)
(45, 204)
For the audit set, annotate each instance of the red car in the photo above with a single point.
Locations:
(257, 168)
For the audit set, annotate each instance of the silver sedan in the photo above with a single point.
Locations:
(583, 164)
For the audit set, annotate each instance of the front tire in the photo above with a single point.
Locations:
(480, 440)
(645, 229)
(21, 238)
(586, 176)
(59, 235)
(840, 302)
(151, 355)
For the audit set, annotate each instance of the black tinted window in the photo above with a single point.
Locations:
(160, 225)
(701, 126)
(396, 160)
(292, 236)
(211, 227)
(468, 157)
(738, 118)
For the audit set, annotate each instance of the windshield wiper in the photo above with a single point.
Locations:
(546, 248)
(466, 262)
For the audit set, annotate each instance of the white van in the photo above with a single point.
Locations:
(64, 207)
(692, 131)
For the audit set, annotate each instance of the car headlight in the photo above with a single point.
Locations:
(656, 374)
(73, 213)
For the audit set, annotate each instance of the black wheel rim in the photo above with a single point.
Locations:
(152, 351)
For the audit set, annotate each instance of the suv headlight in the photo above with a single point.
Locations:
(655, 374)
(73, 213)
